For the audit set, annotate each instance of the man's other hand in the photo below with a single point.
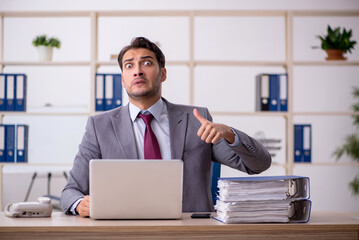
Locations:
(83, 208)
(213, 132)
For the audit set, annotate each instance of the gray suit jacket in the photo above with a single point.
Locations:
(110, 136)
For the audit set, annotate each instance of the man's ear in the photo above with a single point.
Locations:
(163, 74)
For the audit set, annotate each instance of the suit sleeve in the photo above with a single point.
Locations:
(78, 183)
(250, 156)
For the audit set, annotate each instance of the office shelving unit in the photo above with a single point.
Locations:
(93, 63)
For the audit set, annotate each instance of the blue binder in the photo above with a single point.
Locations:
(117, 90)
(20, 93)
(108, 92)
(215, 175)
(2, 93)
(2, 143)
(283, 92)
(10, 143)
(100, 92)
(273, 92)
(22, 133)
(10, 92)
(302, 143)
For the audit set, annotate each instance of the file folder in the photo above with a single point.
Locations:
(2, 143)
(283, 92)
(108, 92)
(20, 96)
(215, 175)
(117, 90)
(263, 199)
(2, 92)
(100, 92)
(10, 92)
(273, 92)
(263, 92)
(302, 143)
(10, 143)
(22, 143)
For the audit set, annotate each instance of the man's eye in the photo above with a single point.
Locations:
(128, 65)
(147, 63)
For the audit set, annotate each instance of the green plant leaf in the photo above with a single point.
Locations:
(354, 186)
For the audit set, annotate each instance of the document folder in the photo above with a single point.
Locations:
(302, 143)
(108, 92)
(2, 143)
(10, 143)
(263, 199)
(117, 90)
(20, 96)
(10, 92)
(22, 143)
(2, 93)
(100, 92)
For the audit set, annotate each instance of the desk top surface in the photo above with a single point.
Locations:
(59, 219)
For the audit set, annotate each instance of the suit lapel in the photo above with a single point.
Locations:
(177, 124)
(122, 125)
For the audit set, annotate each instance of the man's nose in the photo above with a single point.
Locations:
(138, 71)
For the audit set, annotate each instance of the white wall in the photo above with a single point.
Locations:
(59, 136)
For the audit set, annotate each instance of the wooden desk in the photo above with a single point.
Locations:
(323, 225)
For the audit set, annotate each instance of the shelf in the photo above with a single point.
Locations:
(2, 114)
(327, 113)
(115, 63)
(343, 164)
(240, 63)
(268, 114)
(53, 63)
(326, 63)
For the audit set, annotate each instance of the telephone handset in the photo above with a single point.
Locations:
(42, 208)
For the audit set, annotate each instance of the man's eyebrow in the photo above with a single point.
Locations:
(143, 57)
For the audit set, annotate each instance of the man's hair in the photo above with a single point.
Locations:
(142, 42)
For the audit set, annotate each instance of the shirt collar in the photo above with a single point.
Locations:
(156, 110)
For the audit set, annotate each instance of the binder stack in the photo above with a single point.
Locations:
(280, 199)
(13, 143)
(272, 92)
(108, 90)
(12, 92)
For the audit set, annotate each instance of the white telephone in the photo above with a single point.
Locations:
(42, 208)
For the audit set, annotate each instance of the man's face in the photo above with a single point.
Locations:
(141, 75)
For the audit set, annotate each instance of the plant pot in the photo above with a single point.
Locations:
(45, 53)
(335, 54)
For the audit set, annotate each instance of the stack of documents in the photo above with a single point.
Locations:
(263, 199)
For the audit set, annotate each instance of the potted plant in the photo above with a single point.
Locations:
(45, 46)
(351, 145)
(336, 43)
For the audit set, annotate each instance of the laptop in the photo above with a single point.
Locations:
(136, 189)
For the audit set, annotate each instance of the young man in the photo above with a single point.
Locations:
(181, 132)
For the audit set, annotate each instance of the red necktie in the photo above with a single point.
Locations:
(151, 147)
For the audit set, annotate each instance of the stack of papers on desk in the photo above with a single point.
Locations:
(263, 199)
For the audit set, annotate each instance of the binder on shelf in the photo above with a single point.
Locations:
(100, 92)
(20, 96)
(262, 92)
(9, 92)
(117, 90)
(302, 143)
(2, 93)
(2, 143)
(263, 199)
(108, 92)
(10, 143)
(273, 92)
(283, 92)
(22, 143)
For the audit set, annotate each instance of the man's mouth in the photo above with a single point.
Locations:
(139, 81)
